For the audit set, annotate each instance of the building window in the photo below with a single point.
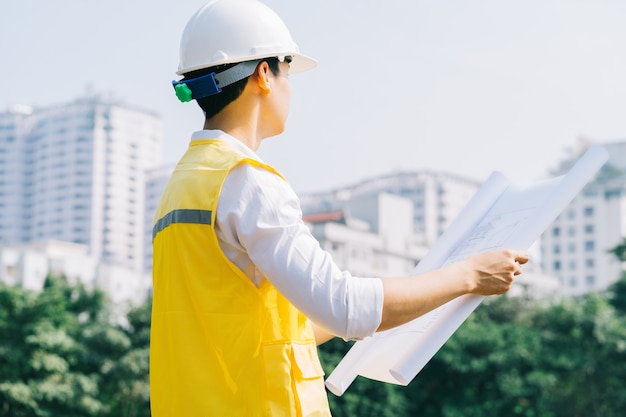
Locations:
(571, 248)
(612, 193)
(556, 248)
(591, 280)
(572, 265)
(557, 265)
(590, 246)
(588, 211)
(571, 231)
(590, 263)
(556, 231)
(589, 228)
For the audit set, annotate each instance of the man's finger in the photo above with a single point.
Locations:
(521, 257)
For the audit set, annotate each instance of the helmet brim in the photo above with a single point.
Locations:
(301, 63)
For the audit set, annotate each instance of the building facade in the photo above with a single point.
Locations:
(575, 247)
(437, 198)
(372, 237)
(76, 173)
(387, 223)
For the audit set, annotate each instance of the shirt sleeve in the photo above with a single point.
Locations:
(259, 216)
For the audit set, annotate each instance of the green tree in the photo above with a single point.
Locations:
(516, 357)
(620, 251)
(128, 382)
(617, 291)
(486, 368)
(62, 355)
(584, 344)
(40, 356)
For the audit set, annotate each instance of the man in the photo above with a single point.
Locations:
(242, 291)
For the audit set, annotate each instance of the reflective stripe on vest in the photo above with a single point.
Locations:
(182, 216)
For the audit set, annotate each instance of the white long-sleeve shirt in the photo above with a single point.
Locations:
(260, 229)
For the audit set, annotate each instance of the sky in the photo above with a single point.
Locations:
(457, 86)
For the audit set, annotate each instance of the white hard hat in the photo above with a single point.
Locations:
(231, 31)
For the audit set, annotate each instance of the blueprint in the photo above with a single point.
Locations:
(500, 215)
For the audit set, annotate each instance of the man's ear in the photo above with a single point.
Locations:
(262, 77)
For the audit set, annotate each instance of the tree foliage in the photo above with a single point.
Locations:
(562, 359)
(62, 354)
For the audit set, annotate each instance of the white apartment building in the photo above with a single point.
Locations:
(75, 172)
(574, 247)
(372, 237)
(437, 198)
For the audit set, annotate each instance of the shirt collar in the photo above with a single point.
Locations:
(223, 136)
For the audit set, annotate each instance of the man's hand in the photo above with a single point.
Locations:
(493, 272)
(486, 273)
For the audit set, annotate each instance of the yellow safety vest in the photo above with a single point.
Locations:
(220, 346)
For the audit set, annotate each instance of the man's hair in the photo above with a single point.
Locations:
(214, 104)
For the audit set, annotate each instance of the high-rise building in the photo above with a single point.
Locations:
(75, 172)
(575, 247)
